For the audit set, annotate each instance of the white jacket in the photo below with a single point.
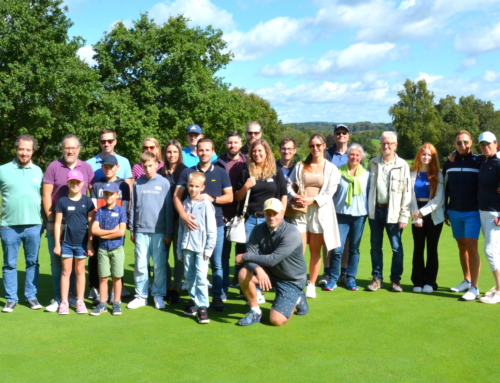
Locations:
(434, 206)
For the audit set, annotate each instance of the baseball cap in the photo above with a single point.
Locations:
(487, 137)
(341, 126)
(273, 204)
(109, 159)
(194, 129)
(75, 175)
(111, 187)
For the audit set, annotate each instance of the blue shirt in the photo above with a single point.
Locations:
(422, 186)
(335, 157)
(286, 171)
(108, 219)
(75, 216)
(359, 206)
(191, 160)
(125, 171)
(216, 181)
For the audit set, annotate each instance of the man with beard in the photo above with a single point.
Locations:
(253, 133)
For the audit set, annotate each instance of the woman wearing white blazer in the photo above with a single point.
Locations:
(319, 178)
(428, 216)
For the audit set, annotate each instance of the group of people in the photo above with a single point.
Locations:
(183, 199)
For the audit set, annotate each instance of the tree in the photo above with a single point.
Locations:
(44, 88)
(415, 118)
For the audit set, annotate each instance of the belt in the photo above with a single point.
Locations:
(258, 214)
(382, 205)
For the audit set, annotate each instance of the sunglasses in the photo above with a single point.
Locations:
(150, 148)
(253, 133)
(104, 142)
(316, 145)
(460, 143)
(341, 133)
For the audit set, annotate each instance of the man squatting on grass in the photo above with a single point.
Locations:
(274, 259)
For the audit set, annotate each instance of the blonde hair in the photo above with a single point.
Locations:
(157, 144)
(269, 162)
(197, 176)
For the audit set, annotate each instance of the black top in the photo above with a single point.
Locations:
(75, 215)
(173, 178)
(489, 181)
(274, 187)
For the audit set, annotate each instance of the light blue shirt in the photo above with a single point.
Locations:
(359, 205)
(124, 172)
(191, 160)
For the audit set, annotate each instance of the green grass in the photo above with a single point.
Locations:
(347, 336)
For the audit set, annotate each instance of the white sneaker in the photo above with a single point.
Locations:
(93, 293)
(428, 289)
(323, 280)
(310, 290)
(159, 303)
(137, 302)
(493, 298)
(491, 292)
(471, 295)
(52, 307)
(260, 299)
(463, 286)
(417, 289)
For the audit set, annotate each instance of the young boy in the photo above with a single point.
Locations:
(74, 214)
(110, 225)
(196, 246)
(109, 167)
(151, 225)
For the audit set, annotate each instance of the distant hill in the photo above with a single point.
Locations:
(329, 126)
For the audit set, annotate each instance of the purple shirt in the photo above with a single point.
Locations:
(138, 171)
(57, 175)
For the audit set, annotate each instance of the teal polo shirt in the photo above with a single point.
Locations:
(191, 160)
(21, 189)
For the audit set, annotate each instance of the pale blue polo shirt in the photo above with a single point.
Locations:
(191, 160)
(125, 171)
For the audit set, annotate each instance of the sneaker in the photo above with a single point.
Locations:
(323, 280)
(302, 306)
(342, 279)
(53, 306)
(428, 289)
(174, 297)
(491, 292)
(125, 293)
(63, 308)
(471, 295)
(396, 287)
(217, 304)
(33, 304)
(159, 303)
(463, 286)
(374, 285)
(93, 293)
(184, 286)
(330, 286)
(260, 299)
(81, 308)
(72, 301)
(251, 318)
(351, 285)
(190, 309)
(223, 296)
(137, 302)
(310, 290)
(417, 289)
(99, 309)
(203, 315)
(9, 307)
(117, 309)
(491, 299)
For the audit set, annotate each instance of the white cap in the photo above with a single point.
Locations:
(273, 204)
(487, 137)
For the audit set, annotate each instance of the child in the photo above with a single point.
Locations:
(151, 225)
(109, 167)
(73, 215)
(110, 226)
(196, 246)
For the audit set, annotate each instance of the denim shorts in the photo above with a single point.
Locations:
(465, 224)
(68, 251)
(287, 295)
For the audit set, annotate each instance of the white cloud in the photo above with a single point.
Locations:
(428, 78)
(467, 63)
(356, 57)
(85, 54)
(479, 41)
(491, 76)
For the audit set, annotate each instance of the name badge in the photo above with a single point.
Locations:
(270, 180)
(71, 208)
(114, 214)
(157, 187)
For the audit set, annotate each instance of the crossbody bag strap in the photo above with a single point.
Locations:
(246, 202)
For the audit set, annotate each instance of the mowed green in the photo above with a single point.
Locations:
(349, 336)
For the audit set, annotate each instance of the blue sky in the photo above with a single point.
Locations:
(332, 60)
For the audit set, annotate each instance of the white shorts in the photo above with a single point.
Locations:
(491, 234)
(308, 222)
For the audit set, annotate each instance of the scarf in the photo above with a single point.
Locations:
(354, 185)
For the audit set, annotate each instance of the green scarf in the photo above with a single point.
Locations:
(354, 185)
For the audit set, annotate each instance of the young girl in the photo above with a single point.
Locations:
(74, 214)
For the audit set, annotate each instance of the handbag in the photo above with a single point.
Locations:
(235, 228)
(292, 210)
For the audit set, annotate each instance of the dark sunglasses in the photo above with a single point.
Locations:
(316, 145)
(460, 143)
(103, 142)
(341, 133)
(253, 133)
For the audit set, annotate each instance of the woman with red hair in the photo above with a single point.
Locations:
(428, 216)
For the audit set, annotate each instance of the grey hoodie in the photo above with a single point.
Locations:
(151, 209)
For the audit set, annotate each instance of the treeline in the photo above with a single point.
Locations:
(329, 126)
(150, 80)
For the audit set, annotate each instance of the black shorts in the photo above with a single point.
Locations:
(287, 295)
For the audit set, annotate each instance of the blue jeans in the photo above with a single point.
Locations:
(195, 272)
(377, 227)
(146, 245)
(352, 227)
(250, 223)
(216, 263)
(56, 267)
(226, 255)
(12, 236)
